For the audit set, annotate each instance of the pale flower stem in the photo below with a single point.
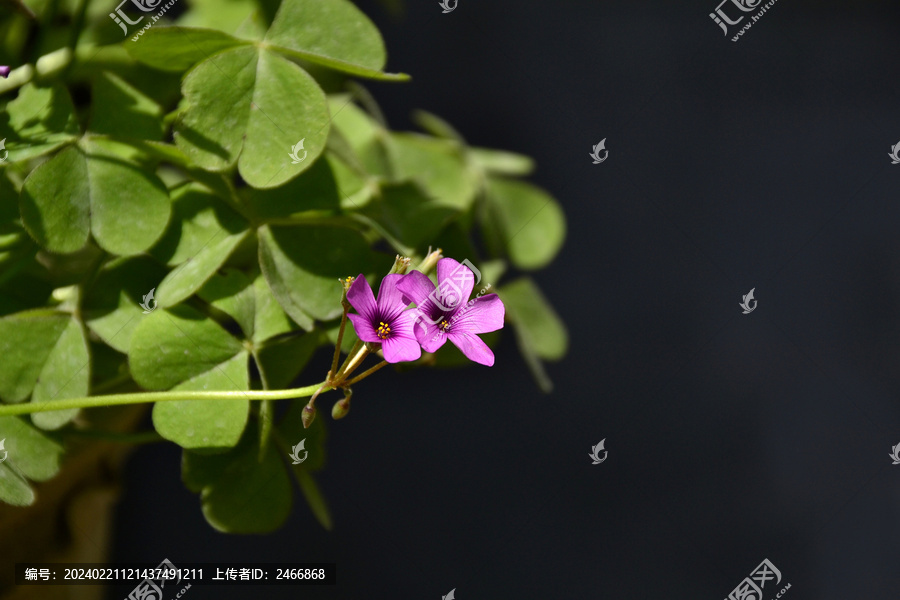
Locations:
(366, 373)
(143, 397)
(355, 362)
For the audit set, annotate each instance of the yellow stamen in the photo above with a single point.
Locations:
(384, 330)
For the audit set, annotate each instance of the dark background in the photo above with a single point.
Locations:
(732, 438)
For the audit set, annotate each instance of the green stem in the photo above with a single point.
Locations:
(142, 397)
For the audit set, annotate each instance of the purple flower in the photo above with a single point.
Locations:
(444, 314)
(385, 321)
(4, 71)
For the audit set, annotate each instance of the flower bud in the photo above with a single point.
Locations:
(340, 408)
(308, 415)
(401, 265)
(430, 261)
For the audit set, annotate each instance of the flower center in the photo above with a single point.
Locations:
(445, 325)
(384, 330)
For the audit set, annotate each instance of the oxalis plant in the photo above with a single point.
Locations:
(191, 210)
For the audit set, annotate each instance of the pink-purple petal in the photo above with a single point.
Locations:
(4, 71)
(472, 346)
(455, 283)
(400, 348)
(361, 298)
(363, 328)
(415, 286)
(481, 315)
(391, 301)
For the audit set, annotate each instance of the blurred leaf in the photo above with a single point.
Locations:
(238, 492)
(124, 207)
(411, 216)
(180, 48)
(111, 307)
(181, 349)
(121, 110)
(501, 162)
(436, 164)
(269, 106)
(40, 120)
(539, 326)
(530, 223)
(332, 33)
(303, 264)
(314, 497)
(436, 126)
(45, 355)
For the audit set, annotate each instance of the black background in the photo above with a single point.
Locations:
(732, 438)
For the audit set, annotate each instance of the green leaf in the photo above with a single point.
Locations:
(269, 319)
(315, 189)
(183, 350)
(31, 452)
(175, 345)
(65, 375)
(267, 108)
(529, 221)
(437, 165)
(280, 361)
(13, 488)
(231, 292)
(199, 217)
(124, 207)
(45, 355)
(203, 234)
(179, 48)
(331, 33)
(121, 110)
(303, 264)
(40, 120)
(539, 327)
(238, 492)
(111, 307)
(411, 216)
(207, 423)
(500, 162)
